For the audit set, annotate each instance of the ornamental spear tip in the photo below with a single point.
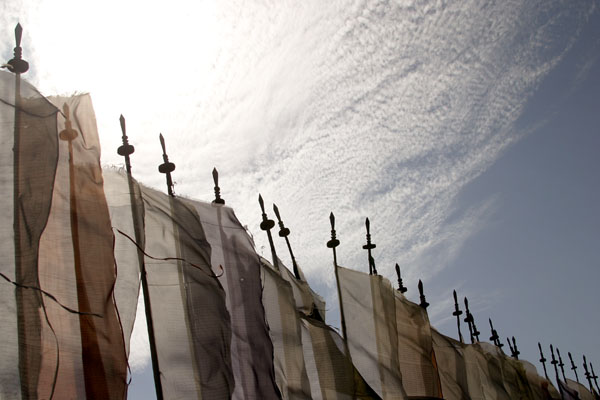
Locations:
(166, 167)
(469, 320)
(495, 338)
(510, 346)
(554, 361)
(218, 199)
(17, 64)
(266, 225)
(543, 360)
(401, 286)
(517, 352)
(457, 313)
(284, 233)
(594, 377)
(588, 376)
(573, 366)
(125, 149)
(561, 364)
(424, 302)
(369, 246)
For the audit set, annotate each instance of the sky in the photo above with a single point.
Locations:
(466, 131)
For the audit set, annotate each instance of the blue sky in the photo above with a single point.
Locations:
(466, 131)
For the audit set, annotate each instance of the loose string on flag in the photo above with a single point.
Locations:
(170, 258)
(50, 296)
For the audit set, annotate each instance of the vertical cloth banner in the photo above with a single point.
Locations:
(77, 265)
(192, 327)
(330, 371)
(69, 341)
(28, 162)
(416, 356)
(286, 335)
(368, 302)
(453, 370)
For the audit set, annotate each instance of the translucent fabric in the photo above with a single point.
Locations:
(415, 350)
(65, 342)
(27, 125)
(226, 314)
(286, 335)
(584, 392)
(328, 365)
(308, 302)
(368, 304)
(192, 327)
(568, 392)
(126, 215)
(454, 372)
(541, 387)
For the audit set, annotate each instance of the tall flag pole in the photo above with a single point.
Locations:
(126, 150)
(28, 383)
(284, 233)
(543, 360)
(332, 244)
(423, 302)
(457, 313)
(495, 338)
(218, 199)
(401, 288)
(266, 225)
(573, 367)
(166, 167)
(588, 376)
(554, 362)
(369, 246)
(561, 364)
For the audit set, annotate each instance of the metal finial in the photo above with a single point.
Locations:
(17, 64)
(125, 150)
(334, 242)
(516, 349)
(573, 366)
(166, 167)
(495, 338)
(510, 346)
(218, 199)
(588, 376)
(543, 360)
(457, 313)
(401, 286)
(266, 224)
(67, 134)
(561, 365)
(284, 233)
(554, 361)
(424, 302)
(369, 246)
(471, 320)
(594, 377)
